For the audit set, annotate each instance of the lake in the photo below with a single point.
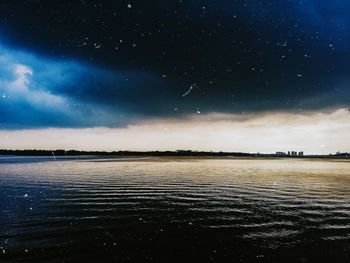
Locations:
(174, 209)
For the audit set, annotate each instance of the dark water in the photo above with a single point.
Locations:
(161, 210)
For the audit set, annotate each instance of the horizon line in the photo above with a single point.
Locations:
(179, 151)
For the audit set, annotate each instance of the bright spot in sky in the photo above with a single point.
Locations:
(19, 88)
(41, 92)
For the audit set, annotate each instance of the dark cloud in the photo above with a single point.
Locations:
(39, 92)
(112, 62)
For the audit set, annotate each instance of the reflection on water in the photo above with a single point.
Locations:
(175, 209)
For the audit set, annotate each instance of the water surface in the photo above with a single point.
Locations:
(168, 210)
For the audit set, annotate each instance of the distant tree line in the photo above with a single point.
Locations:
(185, 153)
(119, 153)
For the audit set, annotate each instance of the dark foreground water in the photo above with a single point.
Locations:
(161, 210)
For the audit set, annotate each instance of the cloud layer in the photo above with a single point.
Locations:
(42, 92)
(116, 63)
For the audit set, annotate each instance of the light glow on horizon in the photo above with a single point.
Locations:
(311, 132)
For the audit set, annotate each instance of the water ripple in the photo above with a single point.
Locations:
(264, 205)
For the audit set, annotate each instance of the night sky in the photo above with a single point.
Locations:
(79, 64)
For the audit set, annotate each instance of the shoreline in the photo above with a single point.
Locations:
(166, 158)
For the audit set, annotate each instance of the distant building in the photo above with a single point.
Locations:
(290, 153)
(295, 153)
